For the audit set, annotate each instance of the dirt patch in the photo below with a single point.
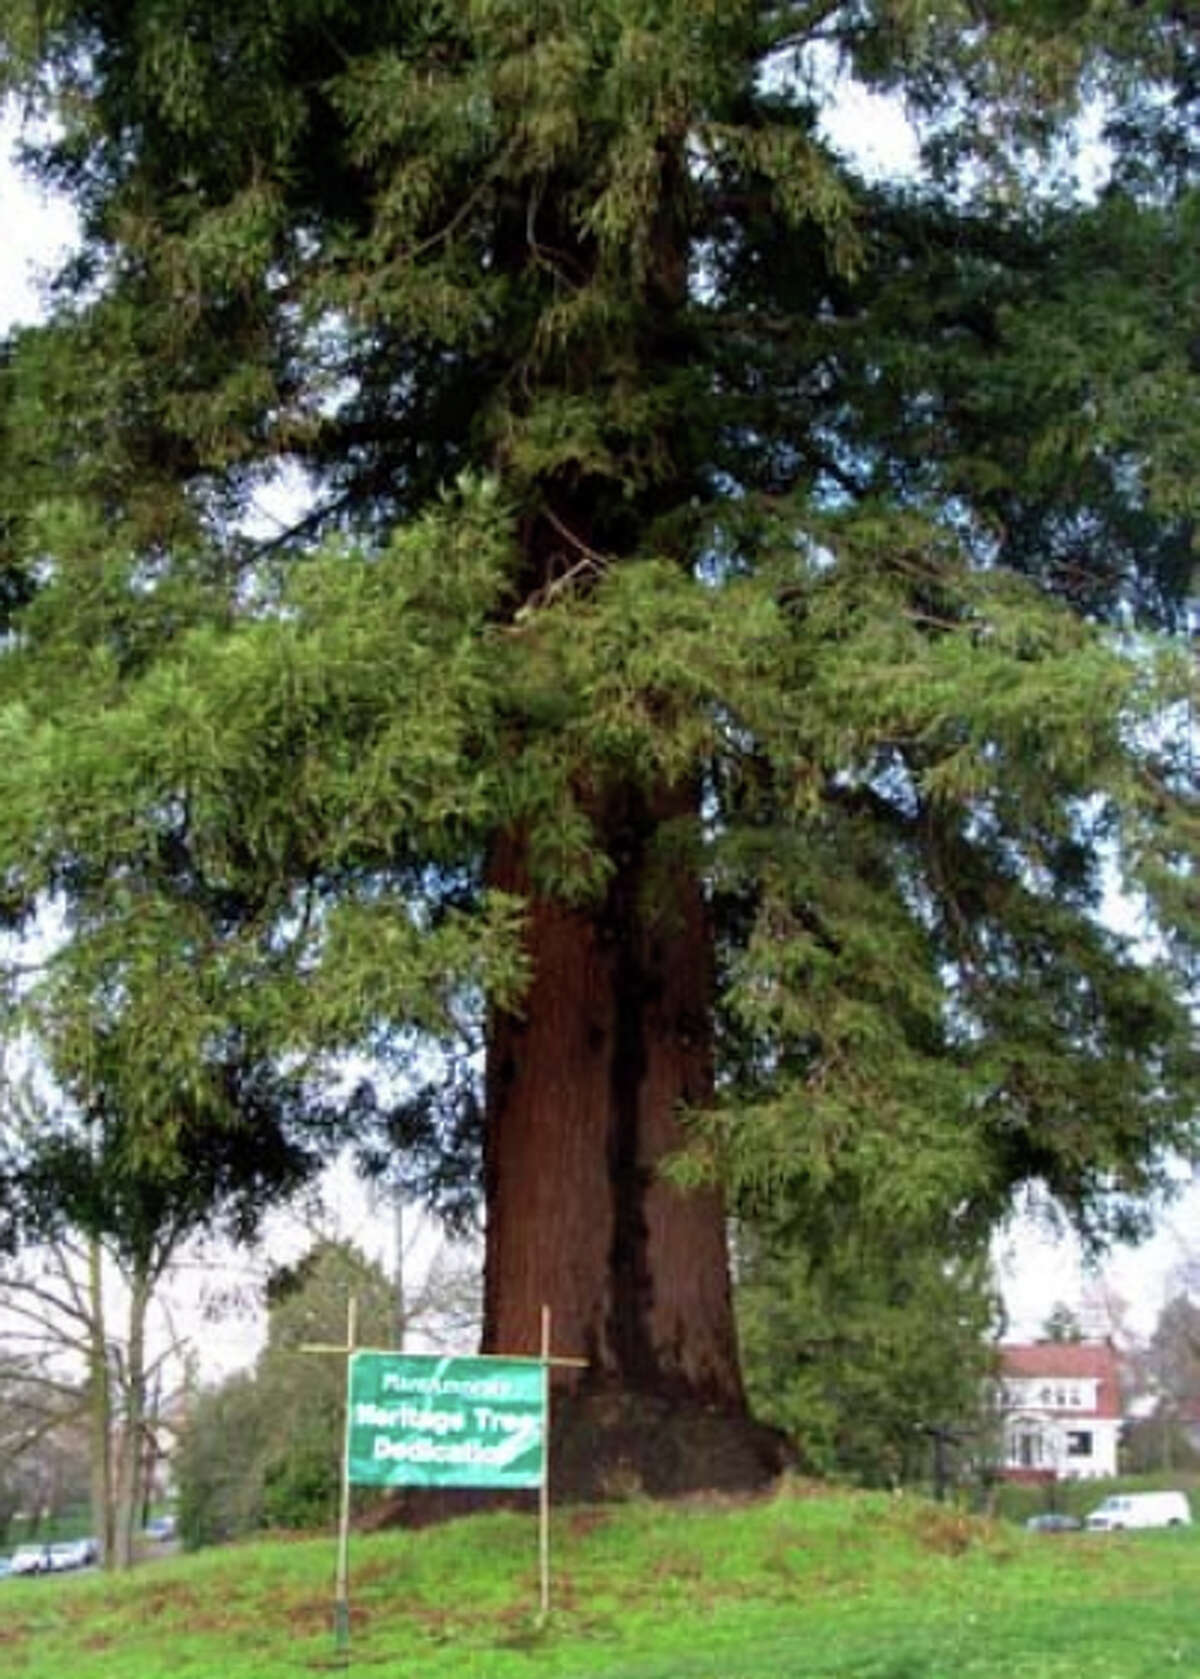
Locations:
(159, 1596)
(385, 1568)
(947, 1532)
(587, 1520)
(807, 1486)
(312, 1616)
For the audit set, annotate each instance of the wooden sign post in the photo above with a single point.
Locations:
(341, 1590)
(428, 1420)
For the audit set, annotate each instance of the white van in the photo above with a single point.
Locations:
(1141, 1509)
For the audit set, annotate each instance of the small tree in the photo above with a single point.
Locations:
(217, 1463)
(265, 1450)
(77, 1371)
(43, 1440)
(1173, 1365)
(1062, 1325)
(867, 1347)
(83, 1192)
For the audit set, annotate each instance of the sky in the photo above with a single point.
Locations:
(1036, 1267)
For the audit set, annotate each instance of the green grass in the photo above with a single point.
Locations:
(809, 1583)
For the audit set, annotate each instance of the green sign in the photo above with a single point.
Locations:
(420, 1420)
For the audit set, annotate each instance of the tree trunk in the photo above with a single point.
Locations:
(585, 1083)
(129, 1461)
(99, 1411)
(584, 1088)
(150, 1451)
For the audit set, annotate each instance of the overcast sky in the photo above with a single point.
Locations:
(1036, 1269)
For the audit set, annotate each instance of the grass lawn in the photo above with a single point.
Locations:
(809, 1583)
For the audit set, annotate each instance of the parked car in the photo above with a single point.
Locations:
(31, 1559)
(72, 1553)
(161, 1527)
(1140, 1509)
(1053, 1521)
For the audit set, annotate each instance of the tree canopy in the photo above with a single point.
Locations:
(692, 533)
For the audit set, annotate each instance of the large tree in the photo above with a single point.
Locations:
(707, 663)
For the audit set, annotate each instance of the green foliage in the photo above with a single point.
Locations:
(265, 1450)
(1062, 1324)
(301, 1490)
(859, 1345)
(220, 1486)
(643, 443)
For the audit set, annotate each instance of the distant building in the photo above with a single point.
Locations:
(1060, 1405)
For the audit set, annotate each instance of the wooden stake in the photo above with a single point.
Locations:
(341, 1606)
(544, 1489)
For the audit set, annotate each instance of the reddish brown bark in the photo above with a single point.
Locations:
(583, 1093)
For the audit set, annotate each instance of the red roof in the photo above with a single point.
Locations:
(1068, 1361)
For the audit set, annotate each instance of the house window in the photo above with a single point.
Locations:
(1076, 1401)
(1079, 1443)
(1045, 1396)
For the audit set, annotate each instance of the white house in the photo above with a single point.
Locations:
(1061, 1407)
